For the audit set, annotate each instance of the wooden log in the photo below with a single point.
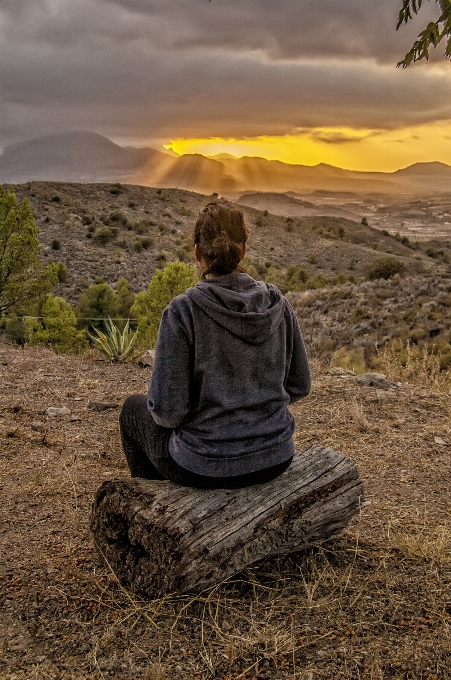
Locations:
(162, 538)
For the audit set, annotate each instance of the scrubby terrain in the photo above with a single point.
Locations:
(374, 604)
(113, 231)
(365, 317)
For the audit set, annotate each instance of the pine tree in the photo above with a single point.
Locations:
(23, 278)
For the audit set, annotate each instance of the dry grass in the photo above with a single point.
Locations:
(421, 368)
(373, 604)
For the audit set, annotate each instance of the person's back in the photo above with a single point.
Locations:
(229, 360)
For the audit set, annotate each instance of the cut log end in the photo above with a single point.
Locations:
(160, 538)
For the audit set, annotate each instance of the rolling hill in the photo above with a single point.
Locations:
(89, 157)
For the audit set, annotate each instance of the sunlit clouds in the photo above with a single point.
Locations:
(349, 148)
(302, 81)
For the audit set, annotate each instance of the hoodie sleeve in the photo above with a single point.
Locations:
(171, 377)
(297, 382)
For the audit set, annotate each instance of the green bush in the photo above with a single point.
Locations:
(118, 217)
(96, 302)
(385, 267)
(104, 235)
(165, 284)
(58, 327)
(61, 272)
(124, 299)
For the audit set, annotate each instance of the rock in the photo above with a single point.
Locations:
(53, 411)
(102, 405)
(148, 358)
(440, 440)
(337, 370)
(39, 427)
(375, 380)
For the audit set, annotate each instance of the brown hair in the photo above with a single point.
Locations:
(220, 232)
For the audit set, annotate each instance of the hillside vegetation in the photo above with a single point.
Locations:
(113, 231)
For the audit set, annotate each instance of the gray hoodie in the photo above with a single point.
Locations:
(229, 359)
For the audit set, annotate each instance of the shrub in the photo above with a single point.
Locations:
(161, 257)
(385, 267)
(96, 302)
(147, 242)
(104, 235)
(56, 199)
(61, 272)
(364, 221)
(57, 328)
(165, 284)
(118, 217)
(141, 227)
(55, 244)
(124, 299)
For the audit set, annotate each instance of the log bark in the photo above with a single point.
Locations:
(160, 538)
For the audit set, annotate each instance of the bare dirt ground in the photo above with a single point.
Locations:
(374, 604)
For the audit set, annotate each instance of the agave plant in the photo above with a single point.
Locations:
(113, 344)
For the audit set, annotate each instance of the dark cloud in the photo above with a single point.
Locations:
(148, 69)
(336, 137)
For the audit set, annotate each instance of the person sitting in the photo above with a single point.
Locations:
(229, 359)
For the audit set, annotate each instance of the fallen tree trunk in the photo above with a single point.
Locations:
(161, 538)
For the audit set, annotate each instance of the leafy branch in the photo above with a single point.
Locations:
(432, 35)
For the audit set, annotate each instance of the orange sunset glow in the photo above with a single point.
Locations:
(352, 149)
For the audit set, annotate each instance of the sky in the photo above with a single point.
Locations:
(302, 81)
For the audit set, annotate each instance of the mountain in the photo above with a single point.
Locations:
(281, 204)
(73, 156)
(89, 157)
(434, 169)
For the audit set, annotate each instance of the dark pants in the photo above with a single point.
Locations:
(146, 448)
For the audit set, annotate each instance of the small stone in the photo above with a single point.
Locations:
(337, 370)
(38, 427)
(374, 380)
(74, 419)
(40, 659)
(440, 440)
(148, 358)
(53, 411)
(102, 405)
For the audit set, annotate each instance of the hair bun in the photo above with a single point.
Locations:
(221, 242)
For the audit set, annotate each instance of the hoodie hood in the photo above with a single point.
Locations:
(251, 310)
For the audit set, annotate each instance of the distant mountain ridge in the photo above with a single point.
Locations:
(90, 157)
